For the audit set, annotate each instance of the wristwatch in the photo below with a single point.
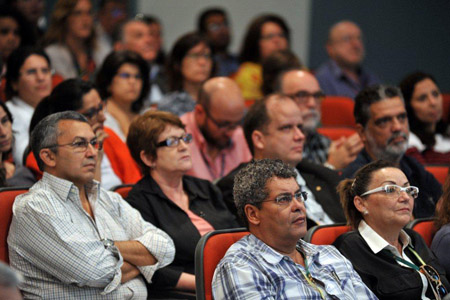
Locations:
(107, 243)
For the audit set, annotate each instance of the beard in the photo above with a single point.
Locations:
(392, 152)
(213, 142)
(311, 119)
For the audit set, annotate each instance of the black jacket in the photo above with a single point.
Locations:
(382, 274)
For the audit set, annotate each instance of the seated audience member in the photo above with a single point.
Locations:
(9, 281)
(428, 140)
(343, 74)
(115, 164)
(304, 88)
(218, 144)
(69, 237)
(184, 207)
(265, 34)
(110, 15)
(123, 82)
(273, 129)
(441, 240)
(394, 263)
(140, 36)
(215, 25)
(12, 31)
(189, 65)
(382, 124)
(273, 262)
(70, 39)
(7, 167)
(28, 81)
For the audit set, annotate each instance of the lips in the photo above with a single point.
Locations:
(300, 220)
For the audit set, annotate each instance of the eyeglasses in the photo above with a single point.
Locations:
(81, 145)
(302, 97)
(174, 141)
(223, 125)
(286, 199)
(197, 56)
(94, 111)
(271, 36)
(392, 189)
(435, 280)
(127, 76)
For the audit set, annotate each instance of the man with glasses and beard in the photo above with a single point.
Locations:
(382, 124)
(304, 88)
(218, 144)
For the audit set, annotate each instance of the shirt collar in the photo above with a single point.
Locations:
(65, 188)
(339, 73)
(377, 243)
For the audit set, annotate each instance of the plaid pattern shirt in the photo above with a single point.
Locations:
(56, 245)
(253, 270)
(316, 148)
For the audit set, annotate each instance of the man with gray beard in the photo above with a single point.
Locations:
(382, 124)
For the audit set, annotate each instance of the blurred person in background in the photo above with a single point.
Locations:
(123, 83)
(7, 167)
(28, 81)
(265, 34)
(70, 39)
(429, 139)
(189, 65)
(215, 25)
(33, 12)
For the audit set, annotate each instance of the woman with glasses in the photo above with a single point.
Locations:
(189, 65)
(70, 39)
(116, 166)
(441, 240)
(395, 263)
(123, 82)
(7, 167)
(184, 207)
(429, 137)
(28, 81)
(265, 35)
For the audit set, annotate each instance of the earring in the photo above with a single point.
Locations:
(365, 213)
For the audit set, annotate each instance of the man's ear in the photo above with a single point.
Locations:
(147, 159)
(200, 114)
(48, 157)
(258, 139)
(119, 46)
(360, 131)
(252, 213)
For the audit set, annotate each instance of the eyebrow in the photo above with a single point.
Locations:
(393, 182)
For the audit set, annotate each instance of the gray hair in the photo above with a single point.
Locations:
(370, 95)
(250, 183)
(46, 132)
(8, 277)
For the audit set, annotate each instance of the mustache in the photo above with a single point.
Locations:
(396, 135)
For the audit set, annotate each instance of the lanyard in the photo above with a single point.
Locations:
(311, 281)
(400, 259)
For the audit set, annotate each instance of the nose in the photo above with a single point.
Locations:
(2, 130)
(397, 125)
(91, 151)
(298, 134)
(433, 100)
(298, 205)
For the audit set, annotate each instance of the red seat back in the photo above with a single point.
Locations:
(338, 111)
(439, 172)
(123, 189)
(7, 197)
(211, 248)
(325, 234)
(424, 227)
(446, 107)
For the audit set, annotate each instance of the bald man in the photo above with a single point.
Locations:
(342, 74)
(215, 123)
(304, 88)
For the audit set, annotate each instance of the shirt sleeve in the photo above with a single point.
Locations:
(157, 242)
(52, 243)
(240, 281)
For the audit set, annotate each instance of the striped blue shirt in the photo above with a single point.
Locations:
(56, 245)
(253, 270)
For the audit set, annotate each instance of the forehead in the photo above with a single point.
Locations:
(269, 27)
(299, 80)
(200, 47)
(276, 186)
(389, 107)
(134, 27)
(171, 130)
(127, 67)
(34, 60)
(345, 28)
(8, 21)
(215, 18)
(389, 175)
(70, 129)
(426, 84)
(282, 111)
(83, 4)
(2, 112)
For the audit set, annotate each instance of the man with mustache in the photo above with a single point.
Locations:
(218, 144)
(69, 237)
(343, 74)
(273, 262)
(382, 124)
(304, 88)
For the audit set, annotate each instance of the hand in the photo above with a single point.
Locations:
(10, 169)
(343, 151)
